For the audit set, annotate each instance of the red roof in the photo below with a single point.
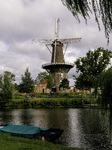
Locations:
(44, 81)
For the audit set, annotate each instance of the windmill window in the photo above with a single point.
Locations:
(61, 75)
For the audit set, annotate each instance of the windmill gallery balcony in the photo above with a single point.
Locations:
(58, 66)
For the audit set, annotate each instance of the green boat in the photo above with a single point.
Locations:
(48, 134)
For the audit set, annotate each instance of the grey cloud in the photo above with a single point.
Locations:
(24, 20)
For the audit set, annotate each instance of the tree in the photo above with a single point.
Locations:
(27, 83)
(90, 67)
(10, 75)
(65, 83)
(80, 82)
(102, 9)
(1, 81)
(7, 86)
(41, 76)
(106, 88)
(16, 86)
(50, 81)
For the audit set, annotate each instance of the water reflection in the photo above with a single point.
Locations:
(27, 117)
(6, 117)
(95, 128)
(83, 128)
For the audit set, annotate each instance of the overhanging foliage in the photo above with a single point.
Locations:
(102, 9)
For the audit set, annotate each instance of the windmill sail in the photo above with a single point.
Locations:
(58, 67)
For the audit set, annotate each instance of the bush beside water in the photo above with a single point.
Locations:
(44, 100)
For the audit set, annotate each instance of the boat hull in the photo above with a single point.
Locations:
(47, 134)
(50, 135)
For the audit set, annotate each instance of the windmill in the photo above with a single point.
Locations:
(58, 68)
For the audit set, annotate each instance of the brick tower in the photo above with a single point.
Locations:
(58, 67)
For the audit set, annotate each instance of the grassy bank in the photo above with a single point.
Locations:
(44, 100)
(8, 142)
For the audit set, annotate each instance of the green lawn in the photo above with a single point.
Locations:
(8, 142)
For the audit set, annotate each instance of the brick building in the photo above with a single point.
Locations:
(42, 87)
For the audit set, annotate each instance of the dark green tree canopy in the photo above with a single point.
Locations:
(27, 83)
(102, 9)
(7, 86)
(10, 75)
(50, 81)
(91, 66)
(106, 88)
(1, 81)
(64, 83)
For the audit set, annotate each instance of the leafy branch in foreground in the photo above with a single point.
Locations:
(102, 9)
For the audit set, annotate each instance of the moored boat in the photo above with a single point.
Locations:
(48, 134)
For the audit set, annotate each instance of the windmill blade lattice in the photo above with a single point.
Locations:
(71, 40)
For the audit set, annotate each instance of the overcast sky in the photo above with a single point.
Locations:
(24, 20)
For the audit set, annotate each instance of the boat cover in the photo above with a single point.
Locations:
(21, 130)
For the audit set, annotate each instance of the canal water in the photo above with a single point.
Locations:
(84, 128)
